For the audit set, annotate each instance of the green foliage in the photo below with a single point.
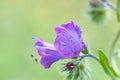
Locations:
(80, 72)
(118, 10)
(106, 65)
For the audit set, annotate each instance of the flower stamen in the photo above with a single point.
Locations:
(35, 58)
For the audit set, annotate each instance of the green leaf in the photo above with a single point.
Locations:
(106, 65)
(69, 76)
(118, 10)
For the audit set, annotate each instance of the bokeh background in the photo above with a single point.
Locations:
(21, 20)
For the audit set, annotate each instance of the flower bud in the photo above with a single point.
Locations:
(70, 65)
(98, 11)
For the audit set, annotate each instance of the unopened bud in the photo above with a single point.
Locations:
(70, 65)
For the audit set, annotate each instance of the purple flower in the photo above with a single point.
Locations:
(68, 44)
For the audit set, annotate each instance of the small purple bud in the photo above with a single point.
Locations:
(70, 65)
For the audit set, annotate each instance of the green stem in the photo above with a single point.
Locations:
(114, 42)
(108, 3)
(105, 3)
(89, 55)
(111, 51)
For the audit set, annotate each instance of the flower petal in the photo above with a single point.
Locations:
(68, 40)
(50, 57)
(41, 46)
(73, 28)
(48, 53)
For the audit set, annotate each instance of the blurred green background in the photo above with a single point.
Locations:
(21, 20)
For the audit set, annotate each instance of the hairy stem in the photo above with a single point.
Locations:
(107, 3)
